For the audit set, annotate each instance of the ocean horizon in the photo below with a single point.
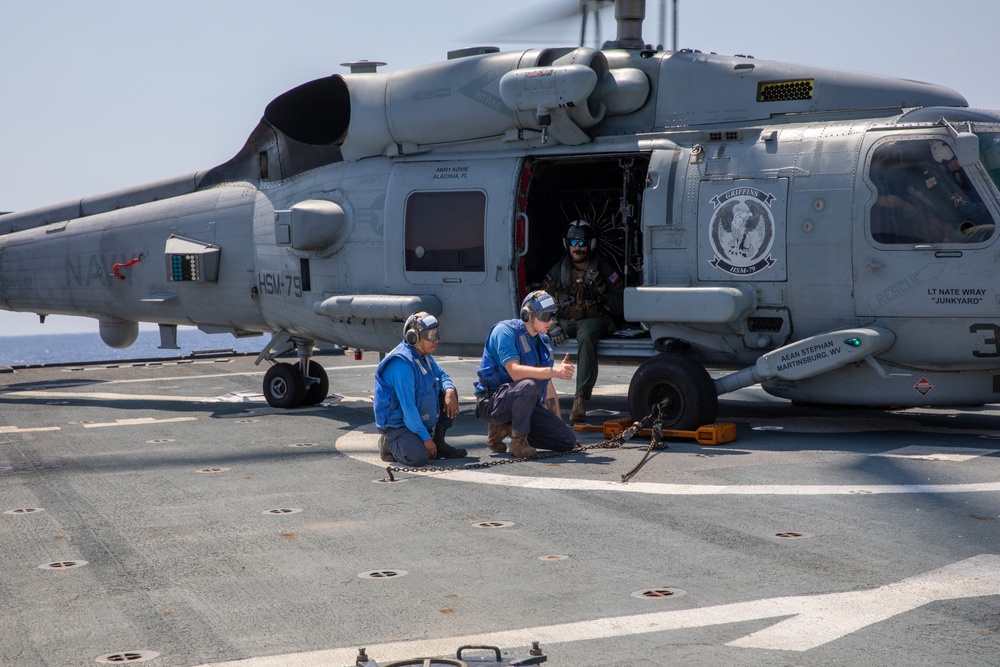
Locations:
(69, 348)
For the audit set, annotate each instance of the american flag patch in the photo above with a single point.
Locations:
(613, 277)
(931, 182)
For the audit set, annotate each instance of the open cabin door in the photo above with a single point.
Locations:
(606, 191)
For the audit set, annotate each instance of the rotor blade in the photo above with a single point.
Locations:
(551, 12)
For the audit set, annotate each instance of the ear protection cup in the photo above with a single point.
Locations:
(410, 335)
(525, 314)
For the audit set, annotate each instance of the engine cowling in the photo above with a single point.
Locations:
(458, 100)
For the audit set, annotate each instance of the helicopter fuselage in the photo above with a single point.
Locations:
(747, 204)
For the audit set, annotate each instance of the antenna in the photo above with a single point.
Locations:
(674, 45)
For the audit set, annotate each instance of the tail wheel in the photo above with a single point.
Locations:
(317, 391)
(680, 385)
(283, 386)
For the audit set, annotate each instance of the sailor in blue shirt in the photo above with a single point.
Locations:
(515, 393)
(415, 397)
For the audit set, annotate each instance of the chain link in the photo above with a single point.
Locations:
(655, 442)
(614, 443)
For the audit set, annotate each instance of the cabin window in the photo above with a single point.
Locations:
(445, 231)
(925, 196)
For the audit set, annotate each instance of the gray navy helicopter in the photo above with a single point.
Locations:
(828, 235)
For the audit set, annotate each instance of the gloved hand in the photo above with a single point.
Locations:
(557, 334)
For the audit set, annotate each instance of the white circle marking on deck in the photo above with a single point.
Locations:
(362, 445)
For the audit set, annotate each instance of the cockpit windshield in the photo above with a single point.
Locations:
(989, 154)
(925, 196)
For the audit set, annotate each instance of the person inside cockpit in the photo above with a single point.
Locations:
(925, 196)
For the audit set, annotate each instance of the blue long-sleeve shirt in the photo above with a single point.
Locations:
(398, 374)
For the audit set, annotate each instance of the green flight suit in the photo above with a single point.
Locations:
(590, 306)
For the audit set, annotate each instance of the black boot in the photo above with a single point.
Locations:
(444, 450)
(383, 450)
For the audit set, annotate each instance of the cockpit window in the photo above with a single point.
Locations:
(925, 196)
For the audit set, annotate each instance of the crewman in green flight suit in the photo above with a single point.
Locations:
(589, 292)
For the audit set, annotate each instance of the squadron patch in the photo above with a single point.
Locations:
(742, 231)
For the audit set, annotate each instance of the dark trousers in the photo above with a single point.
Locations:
(516, 403)
(407, 447)
(587, 332)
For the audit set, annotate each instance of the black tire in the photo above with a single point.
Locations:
(283, 386)
(693, 400)
(317, 392)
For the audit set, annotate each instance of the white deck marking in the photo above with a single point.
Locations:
(926, 453)
(139, 422)
(814, 620)
(17, 429)
(104, 396)
(362, 444)
(236, 397)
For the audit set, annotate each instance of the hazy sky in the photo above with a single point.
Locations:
(106, 94)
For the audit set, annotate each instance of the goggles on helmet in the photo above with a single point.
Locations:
(424, 325)
(430, 335)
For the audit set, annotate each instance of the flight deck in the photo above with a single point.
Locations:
(162, 512)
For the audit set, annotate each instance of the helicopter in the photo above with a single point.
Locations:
(827, 235)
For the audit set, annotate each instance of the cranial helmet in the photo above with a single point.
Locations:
(940, 151)
(421, 325)
(536, 303)
(580, 231)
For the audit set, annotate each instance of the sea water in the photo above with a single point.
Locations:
(88, 347)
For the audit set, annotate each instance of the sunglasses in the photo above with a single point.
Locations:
(577, 244)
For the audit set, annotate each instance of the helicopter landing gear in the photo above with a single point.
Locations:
(316, 391)
(681, 386)
(291, 385)
(283, 386)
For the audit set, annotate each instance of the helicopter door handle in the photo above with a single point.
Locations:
(523, 251)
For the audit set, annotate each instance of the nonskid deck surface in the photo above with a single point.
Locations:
(163, 512)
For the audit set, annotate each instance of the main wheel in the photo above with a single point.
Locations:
(317, 391)
(283, 386)
(682, 383)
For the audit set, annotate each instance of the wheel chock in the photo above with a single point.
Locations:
(710, 434)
